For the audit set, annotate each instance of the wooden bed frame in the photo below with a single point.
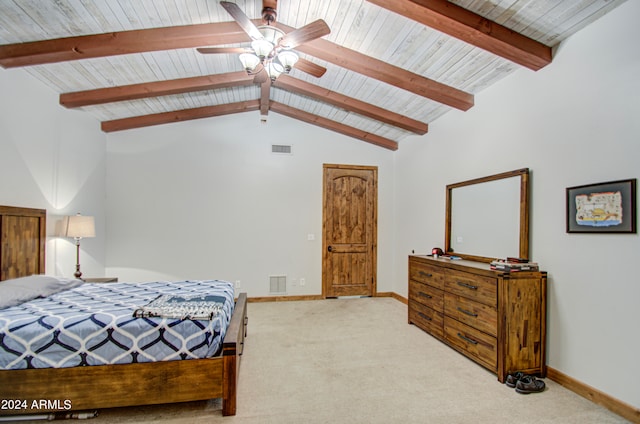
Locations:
(108, 386)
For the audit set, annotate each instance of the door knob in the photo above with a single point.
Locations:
(330, 249)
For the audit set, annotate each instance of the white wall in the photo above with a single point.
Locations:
(574, 122)
(208, 199)
(52, 158)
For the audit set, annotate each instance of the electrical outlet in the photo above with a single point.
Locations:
(302, 282)
(237, 284)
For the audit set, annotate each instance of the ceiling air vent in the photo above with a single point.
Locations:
(282, 149)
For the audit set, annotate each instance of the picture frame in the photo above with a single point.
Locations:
(608, 207)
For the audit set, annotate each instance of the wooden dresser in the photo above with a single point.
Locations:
(496, 319)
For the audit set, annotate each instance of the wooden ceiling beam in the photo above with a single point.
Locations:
(154, 89)
(189, 36)
(333, 126)
(211, 111)
(236, 79)
(117, 43)
(382, 71)
(451, 19)
(178, 116)
(289, 83)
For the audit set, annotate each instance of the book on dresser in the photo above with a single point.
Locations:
(513, 266)
(494, 317)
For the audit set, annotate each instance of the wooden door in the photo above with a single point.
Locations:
(349, 230)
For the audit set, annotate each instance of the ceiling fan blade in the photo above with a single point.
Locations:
(315, 29)
(242, 20)
(310, 68)
(218, 50)
(260, 77)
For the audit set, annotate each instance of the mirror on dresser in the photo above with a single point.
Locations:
(488, 218)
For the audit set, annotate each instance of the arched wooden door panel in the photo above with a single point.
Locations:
(349, 230)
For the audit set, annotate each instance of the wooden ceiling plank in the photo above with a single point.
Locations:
(333, 126)
(289, 83)
(154, 89)
(178, 116)
(472, 28)
(117, 43)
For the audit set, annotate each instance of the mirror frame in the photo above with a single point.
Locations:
(523, 174)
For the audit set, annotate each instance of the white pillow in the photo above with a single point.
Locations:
(19, 290)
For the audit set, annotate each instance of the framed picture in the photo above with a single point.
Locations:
(602, 208)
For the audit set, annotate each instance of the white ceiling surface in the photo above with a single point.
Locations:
(355, 24)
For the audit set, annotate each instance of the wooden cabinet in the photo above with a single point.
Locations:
(496, 319)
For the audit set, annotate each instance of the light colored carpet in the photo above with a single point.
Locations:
(358, 361)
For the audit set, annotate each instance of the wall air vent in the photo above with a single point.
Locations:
(277, 284)
(282, 149)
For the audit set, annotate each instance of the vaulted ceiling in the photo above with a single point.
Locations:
(392, 66)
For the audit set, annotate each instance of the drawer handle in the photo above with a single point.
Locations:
(464, 311)
(424, 316)
(425, 274)
(428, 296)
(467, 339)
(469, 286)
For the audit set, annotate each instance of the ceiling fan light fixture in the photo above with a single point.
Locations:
(270, 44)
(262, 48)
(249, 61)
(274, 69)
(288, 59)
(271, 34)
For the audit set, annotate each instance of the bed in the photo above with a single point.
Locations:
(95, 382)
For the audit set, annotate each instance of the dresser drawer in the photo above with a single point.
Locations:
(427, 295)
(477, 287)
(476, 344)
(427, 274)
(426, 318)
(477, 315)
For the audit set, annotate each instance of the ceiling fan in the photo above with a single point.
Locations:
(271, 52)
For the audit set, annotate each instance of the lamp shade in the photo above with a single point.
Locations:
(288, 59)
(274, 70)
(262, 47)
(249, 61)
(80, 226)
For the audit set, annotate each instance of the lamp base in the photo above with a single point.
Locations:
(77, 274)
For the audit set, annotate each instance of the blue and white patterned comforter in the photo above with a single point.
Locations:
(94, 325)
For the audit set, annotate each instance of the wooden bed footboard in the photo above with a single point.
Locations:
(37, 391)
(232, 348)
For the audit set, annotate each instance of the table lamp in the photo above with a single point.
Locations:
(78, 227)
